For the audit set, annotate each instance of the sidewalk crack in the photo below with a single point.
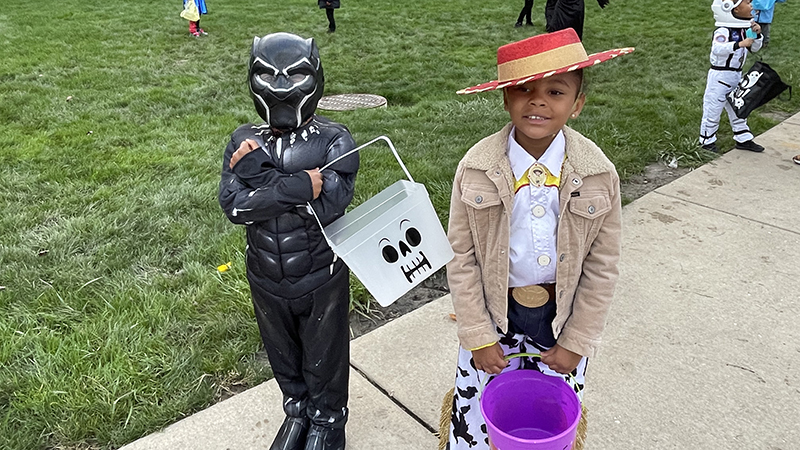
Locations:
(395, 401)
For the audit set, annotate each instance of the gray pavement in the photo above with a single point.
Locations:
(702, 347)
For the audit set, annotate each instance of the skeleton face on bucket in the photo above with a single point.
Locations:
(406, 251)
(286, 79)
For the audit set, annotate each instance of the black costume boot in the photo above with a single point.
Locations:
(293, 431)
(324, 438)
(292, 435)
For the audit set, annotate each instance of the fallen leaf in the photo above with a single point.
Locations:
(69, 98)
(43, 252)
(90, 132)
(2, 288)
(452, 317)
(225, 267)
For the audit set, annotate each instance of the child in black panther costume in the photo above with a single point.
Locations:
(300, 288)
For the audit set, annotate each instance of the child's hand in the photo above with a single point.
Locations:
(316, 181)
(756, 28)
(490, 359)
(246, 147)
(746, 43)
(560, 359)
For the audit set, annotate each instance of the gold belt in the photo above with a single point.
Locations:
(533, 296)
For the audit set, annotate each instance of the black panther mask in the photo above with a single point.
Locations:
(286, 80)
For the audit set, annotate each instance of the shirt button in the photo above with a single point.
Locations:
(538, 211)
(543, 260)
(479, 199)
(591, 209)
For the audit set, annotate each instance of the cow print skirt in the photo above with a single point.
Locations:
(467, 427)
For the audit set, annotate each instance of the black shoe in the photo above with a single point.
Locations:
(292, 434)
(530, 24)
(331, 29)
(518, 25)
(322, 438)
(749, 145)
(712, 147)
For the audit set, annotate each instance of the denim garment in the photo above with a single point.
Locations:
(536, 323)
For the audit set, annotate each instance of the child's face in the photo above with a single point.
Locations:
(540, 108)
(744, 10)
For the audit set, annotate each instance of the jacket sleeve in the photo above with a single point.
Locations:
(464, 276)
(596, 283)
(255, 190)
(721, 44)
(339, 180)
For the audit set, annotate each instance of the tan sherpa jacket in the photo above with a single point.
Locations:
(588, 246)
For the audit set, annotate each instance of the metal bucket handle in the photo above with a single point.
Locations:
(379, 138)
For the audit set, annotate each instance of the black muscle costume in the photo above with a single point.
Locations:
(300, 289)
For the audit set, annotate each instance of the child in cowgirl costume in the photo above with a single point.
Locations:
(535, 226)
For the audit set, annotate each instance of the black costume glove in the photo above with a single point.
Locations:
(602, 3)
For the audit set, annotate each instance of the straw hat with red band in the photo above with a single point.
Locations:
(542, 56)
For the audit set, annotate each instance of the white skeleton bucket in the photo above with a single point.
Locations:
(392, 241)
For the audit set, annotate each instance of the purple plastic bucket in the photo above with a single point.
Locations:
(528, 410)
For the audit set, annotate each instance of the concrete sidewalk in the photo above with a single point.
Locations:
(702, 348)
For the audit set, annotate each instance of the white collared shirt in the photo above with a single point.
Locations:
(534, 217)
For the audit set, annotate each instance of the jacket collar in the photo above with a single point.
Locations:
(584, 157)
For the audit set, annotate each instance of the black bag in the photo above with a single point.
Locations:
(758, 86)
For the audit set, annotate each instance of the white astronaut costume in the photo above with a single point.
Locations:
(727, 59)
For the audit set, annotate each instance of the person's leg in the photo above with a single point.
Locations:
(521, 16)
(331, 20)
(713, 103)
(525, 14)
(528, 9)
(741, 132)
(565, 14)
(765, 32)
(467, 425)
(549, 9)
(278, 328)
(325, 337)
(201, 30)
(193, 29)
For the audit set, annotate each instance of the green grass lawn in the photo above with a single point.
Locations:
(113, 319)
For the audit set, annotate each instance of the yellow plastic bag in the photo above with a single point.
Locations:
(190, 11)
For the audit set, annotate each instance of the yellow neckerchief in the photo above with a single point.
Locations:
(547, 178)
